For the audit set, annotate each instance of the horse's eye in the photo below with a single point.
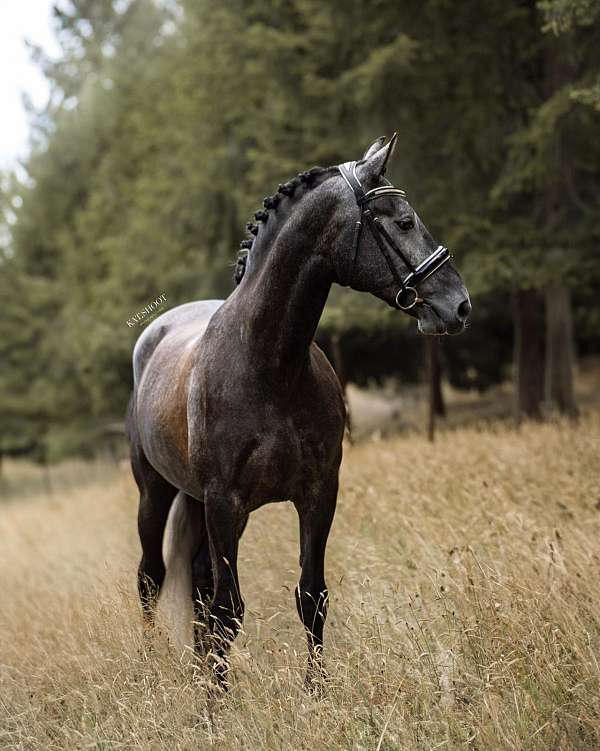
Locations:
(405, 224)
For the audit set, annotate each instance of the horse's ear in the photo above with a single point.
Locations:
(375, 165)
(374, 147)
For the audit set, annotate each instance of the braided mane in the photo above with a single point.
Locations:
(284, 190)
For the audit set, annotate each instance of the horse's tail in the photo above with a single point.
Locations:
(179, 543)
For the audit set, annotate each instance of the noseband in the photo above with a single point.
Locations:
(407, 296)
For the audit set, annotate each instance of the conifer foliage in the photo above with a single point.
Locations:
(169, 120)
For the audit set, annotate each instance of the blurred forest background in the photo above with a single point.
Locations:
(168, 121)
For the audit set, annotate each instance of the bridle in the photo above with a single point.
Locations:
(407, 296)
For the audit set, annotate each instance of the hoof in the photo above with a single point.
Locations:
(217, 672)
(315, 682)
(221, 674)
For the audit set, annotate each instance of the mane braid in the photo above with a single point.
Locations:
(284, 190)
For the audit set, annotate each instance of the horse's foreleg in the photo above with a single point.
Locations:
(225, 523)
(202, 585)
(315, 511)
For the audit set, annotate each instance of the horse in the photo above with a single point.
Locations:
(235, 406)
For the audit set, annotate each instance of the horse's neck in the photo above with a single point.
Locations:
(281, 302)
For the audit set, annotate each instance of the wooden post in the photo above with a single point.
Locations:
(435, 397)
(338, 365)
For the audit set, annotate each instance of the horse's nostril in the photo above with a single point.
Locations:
(464, 309)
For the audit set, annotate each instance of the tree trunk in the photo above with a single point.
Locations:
(559, 391)
(437, 408)
(560, 394)
(528, 354)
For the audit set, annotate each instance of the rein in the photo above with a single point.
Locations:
(407, 296)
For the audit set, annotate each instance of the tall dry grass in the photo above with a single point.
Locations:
(465, 610)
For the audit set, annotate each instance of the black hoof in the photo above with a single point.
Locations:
(315, 681)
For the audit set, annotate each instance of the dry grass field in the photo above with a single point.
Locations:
(465, 608)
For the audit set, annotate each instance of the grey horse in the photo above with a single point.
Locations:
(235, 406)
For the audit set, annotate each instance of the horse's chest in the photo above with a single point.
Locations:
(273, 467)
(267, 457)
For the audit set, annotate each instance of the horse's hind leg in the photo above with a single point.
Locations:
(202, 583)
(156, 497)
(315, 512)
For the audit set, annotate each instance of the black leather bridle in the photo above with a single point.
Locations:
(407, 296)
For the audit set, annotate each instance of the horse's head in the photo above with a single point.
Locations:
(383, 247)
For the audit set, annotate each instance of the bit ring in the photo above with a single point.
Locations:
(416, 299)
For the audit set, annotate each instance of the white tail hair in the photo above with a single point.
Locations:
(175, 605)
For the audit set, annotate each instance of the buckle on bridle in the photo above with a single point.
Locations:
(416, 300)
(431, 264)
